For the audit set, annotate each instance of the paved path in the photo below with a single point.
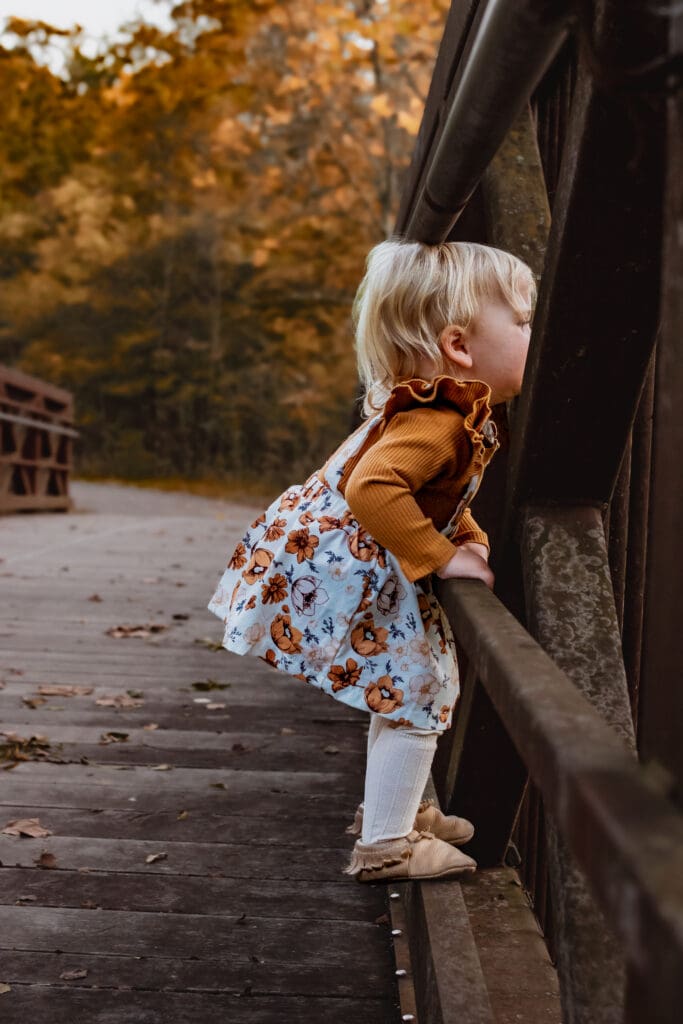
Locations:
(193, 870)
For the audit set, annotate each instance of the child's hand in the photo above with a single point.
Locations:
(467, 563)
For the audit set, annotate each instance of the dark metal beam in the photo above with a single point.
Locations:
(598, 306)
(513, 47)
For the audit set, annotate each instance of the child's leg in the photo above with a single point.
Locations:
(377, 724)
(399, 761)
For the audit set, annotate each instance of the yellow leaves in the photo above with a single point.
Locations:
(277, 117)
(382, 105)
(205, 179)
(410, 122)
(291, 83)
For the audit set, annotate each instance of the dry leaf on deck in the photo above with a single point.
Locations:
(15, 749)
(119, 700)
(30, 827)
(79, 972)
(46, 860)
(95, 597)
(50, 690)
(113, 737)
(4, 988)
(209, 684)
(136, 631)
(161, 768)
(286, 731)
(152, 858)
(151, 726)
(181, 816)
(330, 750)
(206, 641)
(215, 707)
(33, 702)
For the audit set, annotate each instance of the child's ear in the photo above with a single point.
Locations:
(455, 346)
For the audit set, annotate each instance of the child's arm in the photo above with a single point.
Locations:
(467, 564)
(416, 446)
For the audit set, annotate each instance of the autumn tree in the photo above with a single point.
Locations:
(197, 228)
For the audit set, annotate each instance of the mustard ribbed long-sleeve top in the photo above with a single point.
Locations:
(430, 446)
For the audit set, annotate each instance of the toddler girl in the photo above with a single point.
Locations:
(332, 582)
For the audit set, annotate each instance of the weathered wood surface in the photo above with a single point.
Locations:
(247, 917)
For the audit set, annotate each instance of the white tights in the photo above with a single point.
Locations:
(398, 765)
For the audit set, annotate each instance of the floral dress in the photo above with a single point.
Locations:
(312, 593)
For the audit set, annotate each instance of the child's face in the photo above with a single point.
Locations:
(497, 342)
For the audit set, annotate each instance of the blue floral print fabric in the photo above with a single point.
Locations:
(311, 592)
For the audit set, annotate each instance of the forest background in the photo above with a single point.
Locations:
(184, 219)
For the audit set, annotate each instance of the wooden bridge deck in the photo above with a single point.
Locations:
(193, 872)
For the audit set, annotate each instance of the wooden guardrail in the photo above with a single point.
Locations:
(553, 128)
(36, 443)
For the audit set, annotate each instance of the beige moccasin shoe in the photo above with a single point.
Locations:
(417, 855)
(429, 818)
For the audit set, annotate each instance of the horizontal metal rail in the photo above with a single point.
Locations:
(26, 421)
(514, 46)
(626, 836)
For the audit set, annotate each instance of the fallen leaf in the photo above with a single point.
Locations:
(95, 597)
(25, 899)
(152, 858)
(214, 707)
(182, 816)
(136, 631)
(286, 731)
(50, 690)
(119, 700)
(4, 988)
(33, 702)
(46, 860)
(330, 750)
(22, 748)
(78, 972)
(161, 768)
(209, 684)
(218, 785)
(206, 641)
(113, 737)
(30, 827)
(151, 726)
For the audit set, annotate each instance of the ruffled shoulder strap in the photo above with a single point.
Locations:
(468, 397)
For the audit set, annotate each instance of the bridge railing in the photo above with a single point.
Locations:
(553, 129)
(36, 443)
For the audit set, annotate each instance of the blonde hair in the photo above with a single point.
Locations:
(411, 291)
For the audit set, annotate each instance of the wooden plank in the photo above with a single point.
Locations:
(204, 936)
(248, 916)
(254, 978)
(520, 978)
(227, 860)
(179, 894)
(118, 1006)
